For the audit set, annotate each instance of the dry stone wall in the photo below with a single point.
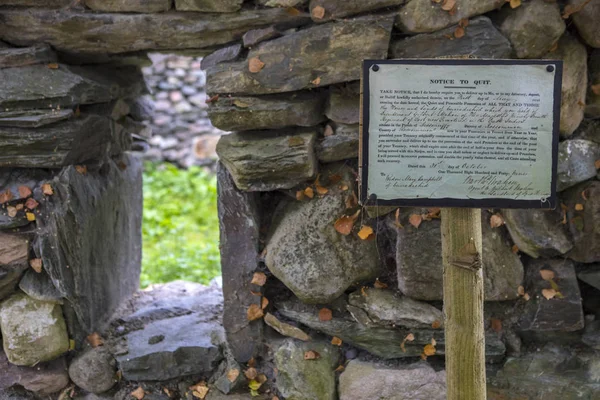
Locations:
(282, 76)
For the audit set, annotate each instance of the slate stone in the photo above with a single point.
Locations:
(574, 82)
(255, 36)
(576, 160)
(420, 268)
(481, 40)
(221, 378)
(592, 106)
(422, 16)
(216, 395)
(37, 86)
(141, 108)
(284, 328)
(591, 275)
(344, 104)
(335, 51)
(229, 53)
(44, 379)
(33, 118)
(190, 346)
(14, 251)
(300, 379)
(533, 28)
(559, 313)
(19, 57)
(37, 3)
(586, 22)
(364, 380)
(281, 3)
(32, 331)
(39, 286)
(138, 59)
(388, 308)
(216, 6)
(254, 159)
(94, 370)
(538, 233)
(336, 9)
(239, 227)
(90, 137)
(83, 32)
(589, 129)
(591, 335)
(342, 145)
(268, 112)
(584, 225)
(141, 6)
(308, 255)
(90, 239)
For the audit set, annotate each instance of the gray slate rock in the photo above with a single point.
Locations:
(94, 370)
(32, 331)
(44, 379)
(592, 103)
(533, 28)
(589, 129)
(538, 233)
(363, 380)
(13, 261)
(344, 104)
(190, 346)
(308, 255)
(216, 6)
(481, 40)
(255, 36)
(300, 379)
(239, 224)
(220, 378)
(559, 313)
(337, 9)
(268, 112)
(33, 118)
(586, 22)
(423, 16)
(121, 33)
(335, 49)
(39, 286)
(590, 275)
(140, 6)
(591, 335)
(576, 160)
(281, 3)
(19, 57)
(229, 53)
(584, 225)
(37, 3)
(342, 145)
(255, 159)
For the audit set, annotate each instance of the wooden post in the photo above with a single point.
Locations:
(463, 304)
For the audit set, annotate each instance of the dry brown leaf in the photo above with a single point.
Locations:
(138, 393)
(340, 368)
(409, 338)
(19, 206)
(581, 103)
(436, 324)
(464, 22)
(496, 325)
(397, 219)
(549, 293)
(264, 302)
(459, 32)
(521, 291)
(311, 355)
(433, 342)
(36, 264)
(31, 203)
(366, 233)
(363, 291)
(526, 296)
(596, 89)
(254, 312)
(316, 81)
(12, 211)
(429, 350)
(30, 216)
(293, 11)
(379, 285)
(52, 66)
(554, 47)
(259, 278)
(578, 207)
(6, 196)
(584, 195)
(496, 221)
(300, 195)
(448, 5)
(321, 190)
(328, 131)
(47, 189)
(515, 249)
(336, 341)
(434, 213)
(351, 201)
(24, 191)
(597, 164)
(325, 314)
(233, 374)
(95, 340)
(415, 220)
(309, 192)
(82, 169)
(345, 223)
(251, 373)
(343, 188)
(515, 3)
(573, 8)
(546, 274)
(255, 65)
(261, 378)
(318, 12)
(212, 99)
(199, 390)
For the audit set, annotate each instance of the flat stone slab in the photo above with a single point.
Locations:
(33, 118)
(44, 379)
(141, 6)
(216, 6)
(19, 57)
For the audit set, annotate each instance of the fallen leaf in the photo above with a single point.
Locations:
(30, 216)
(300, 195)
(6, 196)
(251, 373)
(597, 164)
(71, 345)
(515, 3)
(448, 5)
(464, 22)
(596, 89)
(311, 355)
(254, 312)
(526, 296)
(255, 65)
(340, 368)
(95, 340)
(309, 192)
(335, 178)
(343, 188)
(429, 350)
(554, 47)
(24, 191)
(321, 190)
(336, 341)
(325, 314)
(239, 103)
(12, 211)
(548, 293)
(415, 220)
(436, 324)
(459, 32)
(433, 342)
(366, 232)
(259, 278)
(261, 378)
(351, 201)
(515, 249)
(293, 11)
(521, 291)
(168, 392)
(20, 206)
(564, 209)
(578, 207)
(82, 169)
(573, 8)
(138, 393)
(212, 99)
(328, 131)
(318, 12)
(379, 285)
(363, 291)
(251, 363)
(546, 274)
(254, 385)
(36, 264)
(52, 66)
(264, 302)
(31, 203)
(397, 219)
(584, 195)
(345, 223)
(199, 390)
(496, 325)
(409, 338)
(433, 212)
(316, 81)
(47, 189)
(496, 221)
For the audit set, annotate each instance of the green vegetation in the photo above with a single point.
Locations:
(180, 226)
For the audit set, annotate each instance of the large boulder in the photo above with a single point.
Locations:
(586, 21)
(308, 255)
(576, 162)
(583, 217)
(14, 252)
(32, 331)
(141, 6)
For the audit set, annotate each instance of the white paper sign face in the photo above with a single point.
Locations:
(460, 133)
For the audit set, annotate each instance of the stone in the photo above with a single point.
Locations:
(285, 329)
(14, 250)
(90, 137)
(334, 49)
(337, 9)
(533, 28)
(222, 377)
(37, 86)
(576, 160)
(216, 395)
(586, 21)
(591, 335)
(574, 82)
(281, 3)
(140, 6)
(94, 370)
(121, 33)
(344, 104)
(363, 380)
(19, 57)
(217, 6)
(268, 112)
(420, 269)
(342, 145)
(563, 314)
(255, 36)
(190, 346)
(254, 159)
(388, 308)
(589, 129)
(229, 53)
(305, 251)
(591, 276)
(37, 3)
(239, 225)
(538, 233)
(39, 286)
(481, 40)
(32, 331)
(300, 379)
(423, 16)
(141, 108)
(44, 379)
(584, 225)
(592, 106)
(94, 276)
(33, 118)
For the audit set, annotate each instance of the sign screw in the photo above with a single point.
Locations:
(550, 68)
(375, 67)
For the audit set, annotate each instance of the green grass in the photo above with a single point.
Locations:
(180, 226)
